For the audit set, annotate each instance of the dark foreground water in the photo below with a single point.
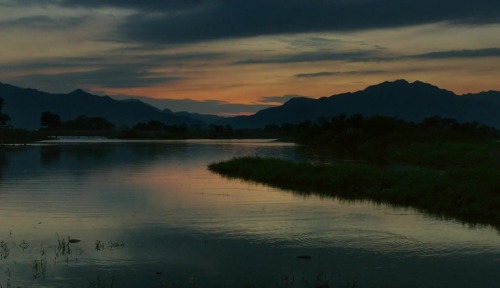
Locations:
(149, 214)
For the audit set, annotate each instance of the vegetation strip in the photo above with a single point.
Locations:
(471, 194)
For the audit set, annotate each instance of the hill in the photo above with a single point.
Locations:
(25, 106)
(207, 118)
(401, 99)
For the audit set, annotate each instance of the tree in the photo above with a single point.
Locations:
(89, 123)
(50, 120)
(4, 118)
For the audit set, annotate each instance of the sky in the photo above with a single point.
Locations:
(231, 57)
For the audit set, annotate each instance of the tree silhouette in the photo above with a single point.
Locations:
(50, 120)
(4, 118)
(89, 123)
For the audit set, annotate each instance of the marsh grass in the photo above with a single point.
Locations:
(302, 280)
(8, 272)
(471, 194)
(63, 249)
(39, 268)
(102, 283)
(110, 245)
(4, 250)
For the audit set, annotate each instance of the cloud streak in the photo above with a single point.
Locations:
(106, 71)
(337, 73)
(318, 56)
(45, 22)
(116, 77)
(477, 53)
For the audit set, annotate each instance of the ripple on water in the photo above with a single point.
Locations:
(382, 242)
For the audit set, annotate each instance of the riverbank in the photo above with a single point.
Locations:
(19, 136)
(469, 194)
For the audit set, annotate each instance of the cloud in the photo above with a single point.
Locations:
(120, 69)
(141, 5)
(318, 56)
(115, 77)
(45, 22)
(185, 21)
(478, 53)
(337, 73)
(226, 19)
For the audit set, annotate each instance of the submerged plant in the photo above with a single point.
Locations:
(24, 245)
(102, 284)
(115, 245)
(63, 247)
(99, 245)
(111, 245)
(9, 275)
(4, 250)
(39, 268)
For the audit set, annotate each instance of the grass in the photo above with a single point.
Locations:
(470, 194)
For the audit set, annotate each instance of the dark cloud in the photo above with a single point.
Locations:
(362, 56)
(225, 19)
(141, 5)
(337, 73)
(116, 77)
(119, 70)
(184, 21)
(56, 63)
(477, 53)
(45, 22)
(116, 58)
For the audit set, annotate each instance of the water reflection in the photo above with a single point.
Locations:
(3, 161)
(151, 213)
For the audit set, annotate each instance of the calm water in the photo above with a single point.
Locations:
(152, 215)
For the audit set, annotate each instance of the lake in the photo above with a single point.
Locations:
(150, 214)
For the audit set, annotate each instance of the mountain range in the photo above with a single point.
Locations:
(409, 101)
(401, 99)
(25, 106)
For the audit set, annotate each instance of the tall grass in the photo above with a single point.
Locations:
(471, 194)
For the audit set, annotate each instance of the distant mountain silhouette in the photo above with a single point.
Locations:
(409, 101)
(207, 118)
(25, 106)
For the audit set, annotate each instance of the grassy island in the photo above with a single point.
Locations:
(447, 171)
